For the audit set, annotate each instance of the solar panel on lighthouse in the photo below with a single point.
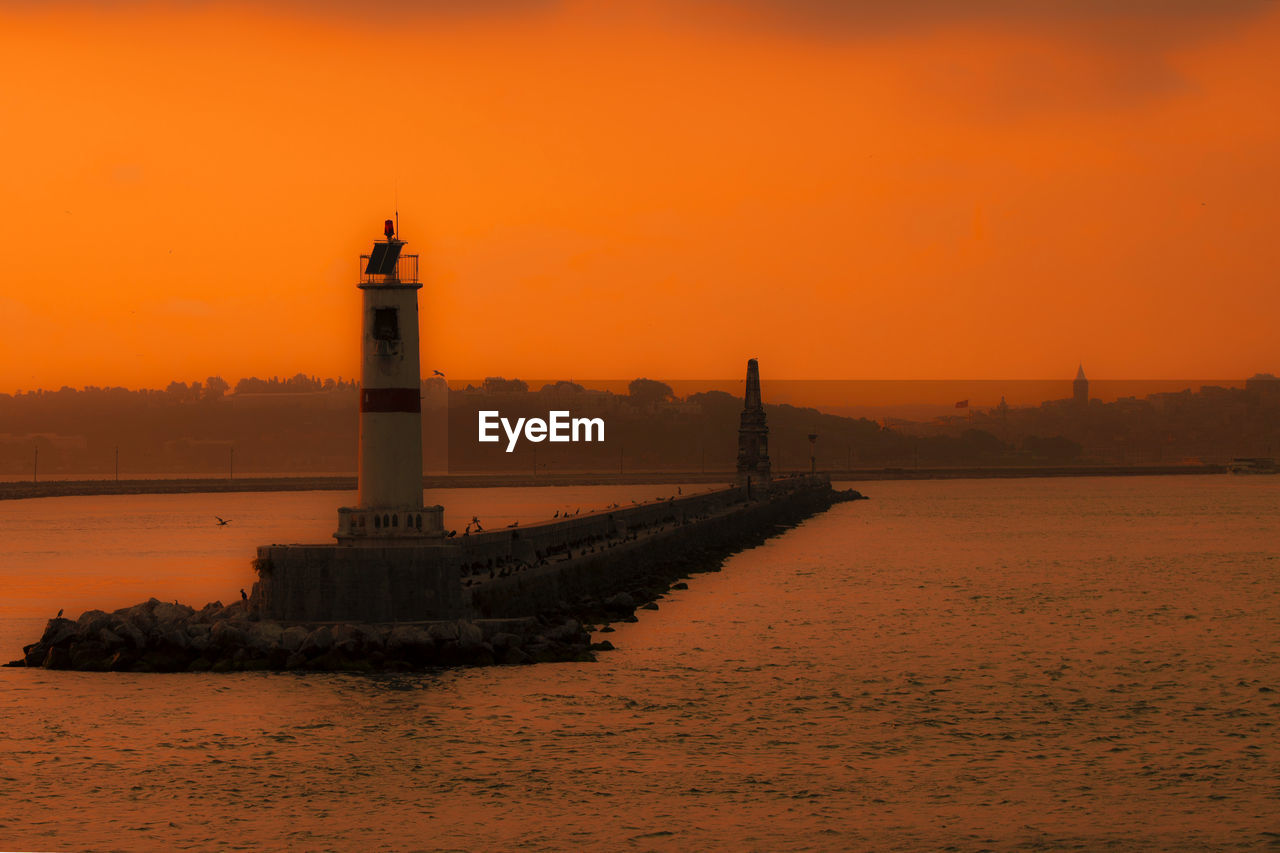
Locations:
(382, 261)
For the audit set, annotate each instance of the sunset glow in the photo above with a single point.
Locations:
(645, 190)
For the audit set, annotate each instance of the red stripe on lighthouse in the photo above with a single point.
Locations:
(390, 400)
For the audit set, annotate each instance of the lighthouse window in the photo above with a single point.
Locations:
(395, 521)
(377, 521)
(386, 324)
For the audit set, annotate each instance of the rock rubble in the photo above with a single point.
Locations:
(156, 636)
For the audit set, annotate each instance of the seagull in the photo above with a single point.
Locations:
(437, 373)
(59, 616)
(222, 522)
(557, 515)
(452, 533)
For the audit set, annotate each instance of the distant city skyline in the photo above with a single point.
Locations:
(841, 395)
(305, 425)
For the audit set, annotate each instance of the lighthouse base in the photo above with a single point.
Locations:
(389, 525)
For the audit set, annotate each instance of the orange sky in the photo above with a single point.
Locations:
(841, 189)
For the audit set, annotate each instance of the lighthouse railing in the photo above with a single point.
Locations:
(406, 271)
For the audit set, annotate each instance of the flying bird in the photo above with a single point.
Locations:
(437, 373)
(222, 522)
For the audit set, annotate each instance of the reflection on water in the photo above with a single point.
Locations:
(1052, 664)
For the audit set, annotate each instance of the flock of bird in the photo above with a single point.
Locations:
(507, 565)
(474, 524)
(479, 528)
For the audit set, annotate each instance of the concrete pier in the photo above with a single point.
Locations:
(522, 571)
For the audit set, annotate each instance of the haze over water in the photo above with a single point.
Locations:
(1068, 663)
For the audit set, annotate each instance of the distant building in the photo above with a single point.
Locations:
(1263, 383)
(1080, 388)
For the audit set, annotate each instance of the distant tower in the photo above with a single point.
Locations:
(390, 507)
(753, 433)
(1080, 388)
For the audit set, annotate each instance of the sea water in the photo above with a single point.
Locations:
(1084, 664)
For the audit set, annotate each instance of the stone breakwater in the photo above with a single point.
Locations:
(544, 613)
(587, 579)
(155, 636)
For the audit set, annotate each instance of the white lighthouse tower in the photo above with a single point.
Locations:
(390, 510)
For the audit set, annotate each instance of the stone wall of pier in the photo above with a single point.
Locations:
(521, 571)
(357, 583)
(668, 545)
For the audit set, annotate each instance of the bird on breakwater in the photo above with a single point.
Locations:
(452, 533)
(243, 597)
(222, 522)
(475, 519)
(557, 514)
(59, 616)
(514, 524)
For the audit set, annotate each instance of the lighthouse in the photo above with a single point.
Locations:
(753, 434)
(390, 508)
